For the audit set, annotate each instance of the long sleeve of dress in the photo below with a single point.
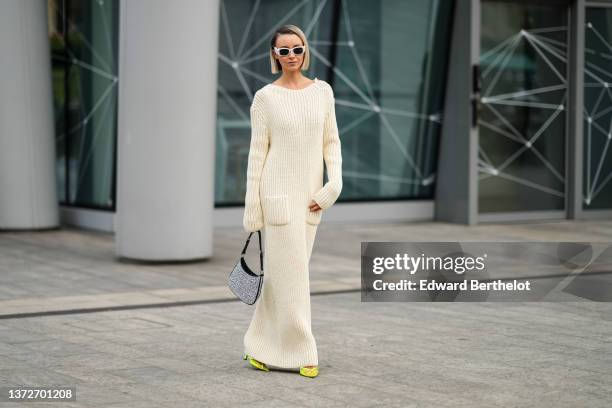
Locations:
(332, 153)
(253, 213)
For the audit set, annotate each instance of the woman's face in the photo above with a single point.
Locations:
(289, 62)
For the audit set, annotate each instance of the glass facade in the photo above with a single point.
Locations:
(597, 189)
(386, 61)
(522, 123)
(84, 46)
(388, 64)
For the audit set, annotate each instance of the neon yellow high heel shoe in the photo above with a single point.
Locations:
(310, 372)
(257, 364)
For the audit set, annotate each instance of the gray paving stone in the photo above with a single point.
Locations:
(35, 377)
(391, 354)
(92, 376)
(42, 265)
(174, 364)
(417, 354)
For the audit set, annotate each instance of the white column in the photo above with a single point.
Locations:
(166, 129)
(28, 192)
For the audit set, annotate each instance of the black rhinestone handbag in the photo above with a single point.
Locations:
(243, 282)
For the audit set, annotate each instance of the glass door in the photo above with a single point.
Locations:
(597, 133)
(522, 111)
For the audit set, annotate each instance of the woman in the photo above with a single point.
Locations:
(293, 130)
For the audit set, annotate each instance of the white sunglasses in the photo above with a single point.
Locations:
(284, 51)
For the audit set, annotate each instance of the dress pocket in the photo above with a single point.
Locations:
(313, 217)
(276, 209)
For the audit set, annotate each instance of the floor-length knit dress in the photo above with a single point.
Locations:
(293, 134)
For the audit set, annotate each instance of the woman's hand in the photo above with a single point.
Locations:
(314, 206)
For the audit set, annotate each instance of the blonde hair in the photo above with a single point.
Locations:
(288, 29)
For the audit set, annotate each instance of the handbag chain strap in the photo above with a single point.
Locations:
(260, 250)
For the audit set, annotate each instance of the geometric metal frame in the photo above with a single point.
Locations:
(569, 136)
(104, 70)
(457, 193)
(575, 129)
(236, 58)
(580, 212)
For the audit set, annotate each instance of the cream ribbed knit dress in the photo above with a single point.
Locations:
(293, 131)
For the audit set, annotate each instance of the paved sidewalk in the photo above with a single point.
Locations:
(69, 269)
(370, 354)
